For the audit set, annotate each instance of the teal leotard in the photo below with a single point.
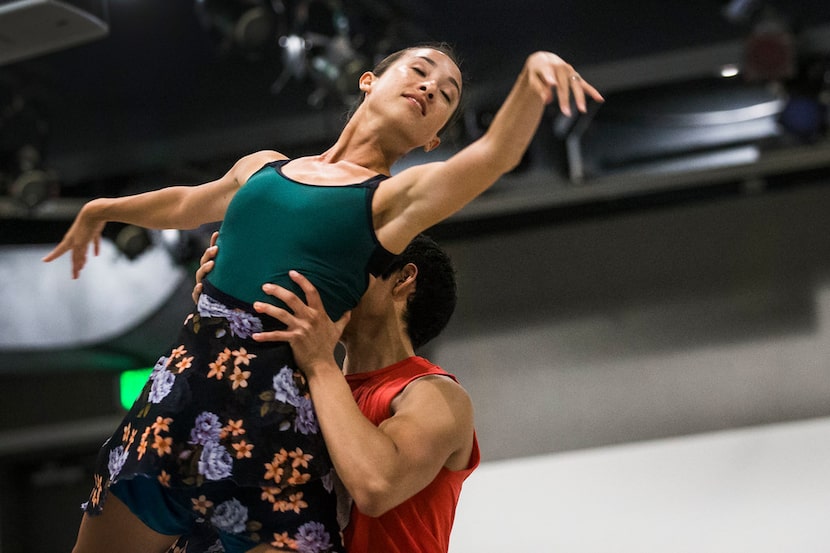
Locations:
(275, 224)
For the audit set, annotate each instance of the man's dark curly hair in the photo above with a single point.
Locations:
(431, 305)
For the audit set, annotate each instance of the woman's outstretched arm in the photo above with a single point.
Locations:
(421, 196)
(178, 207)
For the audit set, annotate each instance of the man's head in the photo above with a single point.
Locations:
(416, 293)
(432, 302)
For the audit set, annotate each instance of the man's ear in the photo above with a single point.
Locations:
(406, 280)
(432, 144)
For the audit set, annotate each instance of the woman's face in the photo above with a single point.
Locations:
(421, 89)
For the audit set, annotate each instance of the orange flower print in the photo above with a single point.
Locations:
(162, 424)
(163, 445)
(201, 504)
(282, 541)
(164, 478)
(96, 490)
(270, 494)
(142, 448)
(217, 370)
(178, 352)
(273, 471)
(239, 378)
(184, 364)
(280, 457)
(300, 458)
(295, 503)
(126, 434)
(298, 478)
(243, 449)
(132, 438)
(142, 444)
(242, 357)
(235, 427)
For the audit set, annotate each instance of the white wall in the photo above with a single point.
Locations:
(763, 489)
(650, 381)
(644, 325)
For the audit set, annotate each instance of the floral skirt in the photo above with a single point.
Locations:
(220, 408)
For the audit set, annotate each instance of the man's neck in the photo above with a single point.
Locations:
(380, 350)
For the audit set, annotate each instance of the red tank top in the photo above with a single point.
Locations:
(422, 523)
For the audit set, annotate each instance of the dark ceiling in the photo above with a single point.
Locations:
(163, 98)
(160, 74)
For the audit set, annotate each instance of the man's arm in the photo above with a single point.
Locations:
(381, 466)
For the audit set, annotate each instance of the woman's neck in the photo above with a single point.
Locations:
(366, 144)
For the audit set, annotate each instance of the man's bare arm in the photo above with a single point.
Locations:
(381, 466)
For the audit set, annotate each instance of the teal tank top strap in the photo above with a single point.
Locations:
(275, 224)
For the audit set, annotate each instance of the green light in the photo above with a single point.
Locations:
(130, 384)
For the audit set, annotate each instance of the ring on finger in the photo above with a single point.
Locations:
(575, 77)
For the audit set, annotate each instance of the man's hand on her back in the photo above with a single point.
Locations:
(205, 266)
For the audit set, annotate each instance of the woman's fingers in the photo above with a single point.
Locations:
(556, 73)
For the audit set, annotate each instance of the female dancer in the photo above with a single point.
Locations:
(224, 430)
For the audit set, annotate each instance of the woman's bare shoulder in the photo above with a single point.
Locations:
(251, 163)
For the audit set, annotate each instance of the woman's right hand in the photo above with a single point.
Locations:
(205, 266)
(85, 229)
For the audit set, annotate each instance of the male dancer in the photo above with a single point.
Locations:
(398, 428)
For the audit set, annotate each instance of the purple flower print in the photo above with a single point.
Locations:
(306, 421)
(284, 388)
(215, 462)
(242, 323)
(116, 461)
(162, 385)
(206, 429)
(312, 537)
(230, 516)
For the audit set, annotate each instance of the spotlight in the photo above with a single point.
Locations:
(132, 241)
(249, 26)
(321, 47)
(32, 187)
(741, 11)
(185, 246)
(255, 29)
(336, 70)
(294, 62)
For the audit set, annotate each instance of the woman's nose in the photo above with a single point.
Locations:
(429, 88)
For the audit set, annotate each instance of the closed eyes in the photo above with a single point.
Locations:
(421, 73)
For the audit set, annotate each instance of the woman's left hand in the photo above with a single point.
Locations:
(553, 78)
